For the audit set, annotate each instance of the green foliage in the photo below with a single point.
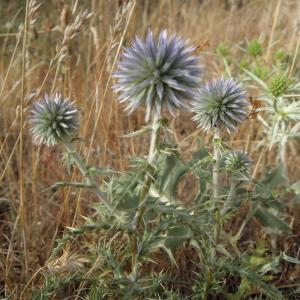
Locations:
(281, 56)
(255, 48)
(223, 50)
(53, 286)
(260, 71)
(167, 225)
(279, 84)
(137, 249)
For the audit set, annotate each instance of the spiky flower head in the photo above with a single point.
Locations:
(53, 120)
(221, 102)
(255, 48)
(279, 84)
(237, 163)
(223, 50)
(157, 73)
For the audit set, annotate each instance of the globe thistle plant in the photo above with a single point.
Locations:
(157, 73)
(220, 103)
(53, 120)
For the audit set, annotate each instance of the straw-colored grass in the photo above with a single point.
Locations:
(60, 47)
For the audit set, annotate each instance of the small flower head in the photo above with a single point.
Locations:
(157, 73)
(223, 50)
(279, 84)
(221, 102)
(53, 120)
(255, 48)
(237, 163)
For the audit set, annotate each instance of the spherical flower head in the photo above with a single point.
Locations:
(157, 73)
(255, 48)
(53, 120)
(279, 84)
(220, 103)
(237, 163)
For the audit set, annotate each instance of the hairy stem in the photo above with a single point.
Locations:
(283, 159)
(231, 196)
(216, 187)
(153, 149)
(152, 156)
(216, 166)
(84, 171)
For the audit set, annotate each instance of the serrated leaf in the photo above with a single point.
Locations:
(140, 132)
(296, 187)
(290, 259)
(270, 266)
(275, 178)
(170, 162)
(128, 202)
(171, 256)
(101, 171)
(177, 235)
(271, 221)
(175, 177)
(255, 78)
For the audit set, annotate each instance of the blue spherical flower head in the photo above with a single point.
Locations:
(53, 120)
(157, 73)
(220, 103)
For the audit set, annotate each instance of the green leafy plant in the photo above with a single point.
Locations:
(131, 245)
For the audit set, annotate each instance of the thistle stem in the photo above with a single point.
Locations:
(217, 219)
(216, 166)
(84, 171)
(153, 149)
(231, 196)
(283, 160)
(152, 157)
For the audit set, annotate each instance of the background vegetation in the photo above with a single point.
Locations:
(72, 47)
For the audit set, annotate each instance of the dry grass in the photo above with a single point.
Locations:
(65, 49)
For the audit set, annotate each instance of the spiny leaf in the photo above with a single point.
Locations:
(143, 130)
(275, 178)
(177, 235)
(271, 221)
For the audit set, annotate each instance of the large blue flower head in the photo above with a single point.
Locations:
(157, 73)
(220, 103)
(53, 120)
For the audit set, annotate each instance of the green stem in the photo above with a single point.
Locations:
(152, 157)
(283, 160)
(230, 199)
(216, 166)
(216, 187)
(155, 132)
(84, 171)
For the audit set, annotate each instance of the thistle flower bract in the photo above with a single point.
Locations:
(237, 163)
(53, 120)
(221, 102)
(161, 72)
